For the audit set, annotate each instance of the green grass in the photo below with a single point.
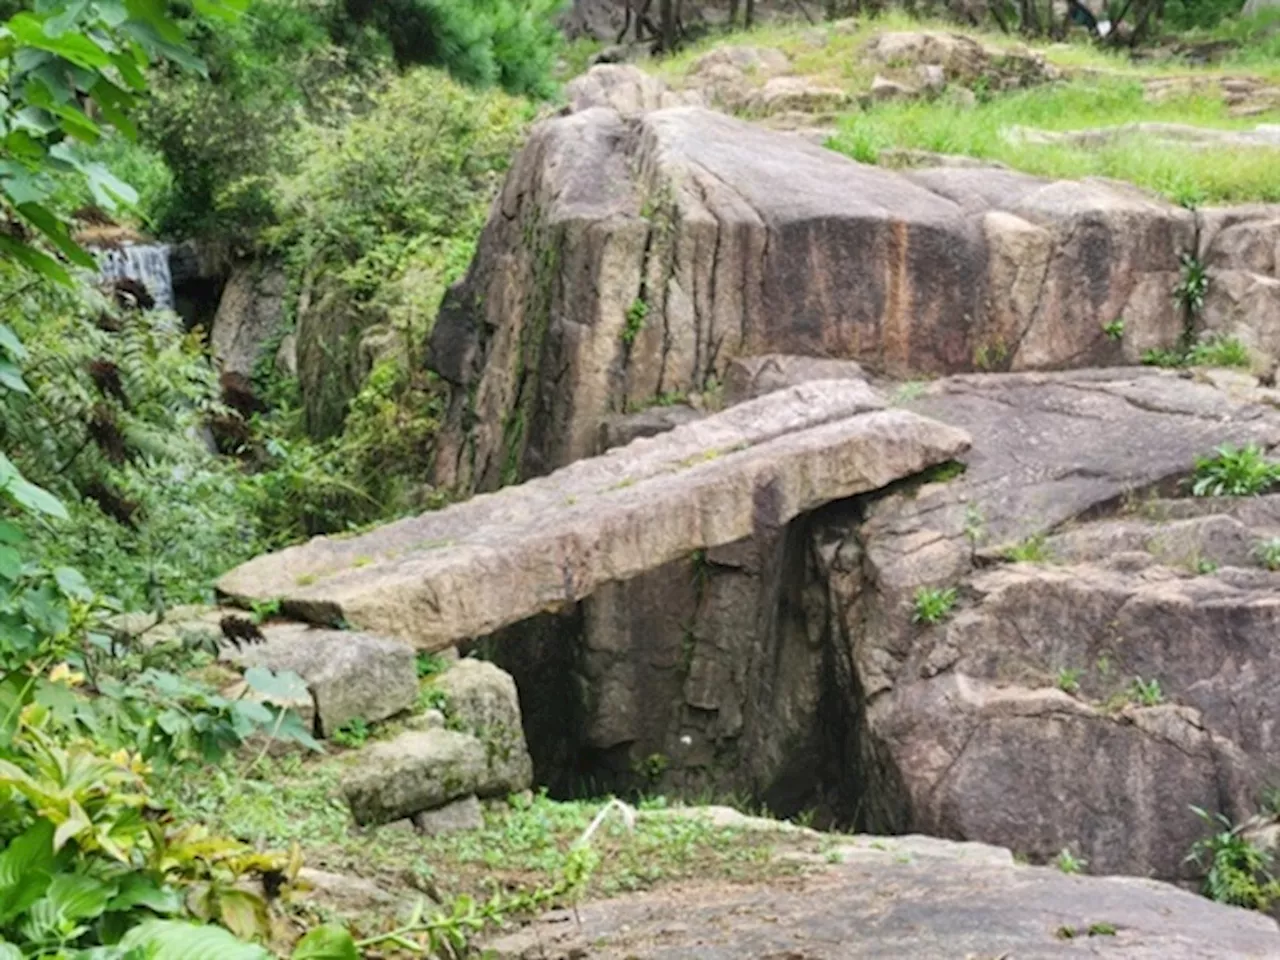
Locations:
(1103, 88)
(522, 846)
(1184, 175)
(1031, 550)
(933, 604)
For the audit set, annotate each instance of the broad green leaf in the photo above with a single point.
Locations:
(9, 952)
(57, 25)
(58, 233)
(36, 499)
(10, 343)
(243, 913)
(285, 687)
(155, 14)
(32, 258)
(26, 868)
(77, 47)
(9, 533)
(175, 940)
(73, 583)
(326, 943)
(292, 729)
(137, 890)
(76, 897)
(10, 563)
(11, 378)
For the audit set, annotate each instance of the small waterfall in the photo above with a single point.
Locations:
(147, 263)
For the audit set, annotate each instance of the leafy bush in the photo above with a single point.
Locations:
(223, 137)
(1237, 872)
(1235, 472)
(111, 421)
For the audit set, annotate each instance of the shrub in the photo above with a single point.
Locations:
(1237, 872)
(1235, 472)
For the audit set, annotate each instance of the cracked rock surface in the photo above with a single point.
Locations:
(904, 897)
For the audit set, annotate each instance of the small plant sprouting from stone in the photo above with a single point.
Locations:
(352, 734)
(652, 767)
(1191, 289)
(637, 313)
(1102, 929)
(1235, 472)
(1068, 680)
(1115, 329)
(430, 664)
(990, 356)
(1219, 352)
(974, 525)
(1068, 862)
(1034, 549)
(1146, 693)
(1206, 567)
(1104, 665)
(912, 390)
(934, 604)
(1268, 553)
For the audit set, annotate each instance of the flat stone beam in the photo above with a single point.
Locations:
(499, 558)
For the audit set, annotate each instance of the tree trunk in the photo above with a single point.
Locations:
(667, 24)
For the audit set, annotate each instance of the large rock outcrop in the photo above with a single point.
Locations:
(789, 666)
(475, 567)
(628, 259)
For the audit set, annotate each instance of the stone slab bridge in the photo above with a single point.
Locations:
(463, 572)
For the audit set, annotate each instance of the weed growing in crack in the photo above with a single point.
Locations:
(934, 604)
(1146, 693)
(1268, 553)
(1194, 285)
(1068, 680)
(1031, 550)
(353, 734)
(1114, 330)
(637, 313)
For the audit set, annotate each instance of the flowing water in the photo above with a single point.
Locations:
(147, 263)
